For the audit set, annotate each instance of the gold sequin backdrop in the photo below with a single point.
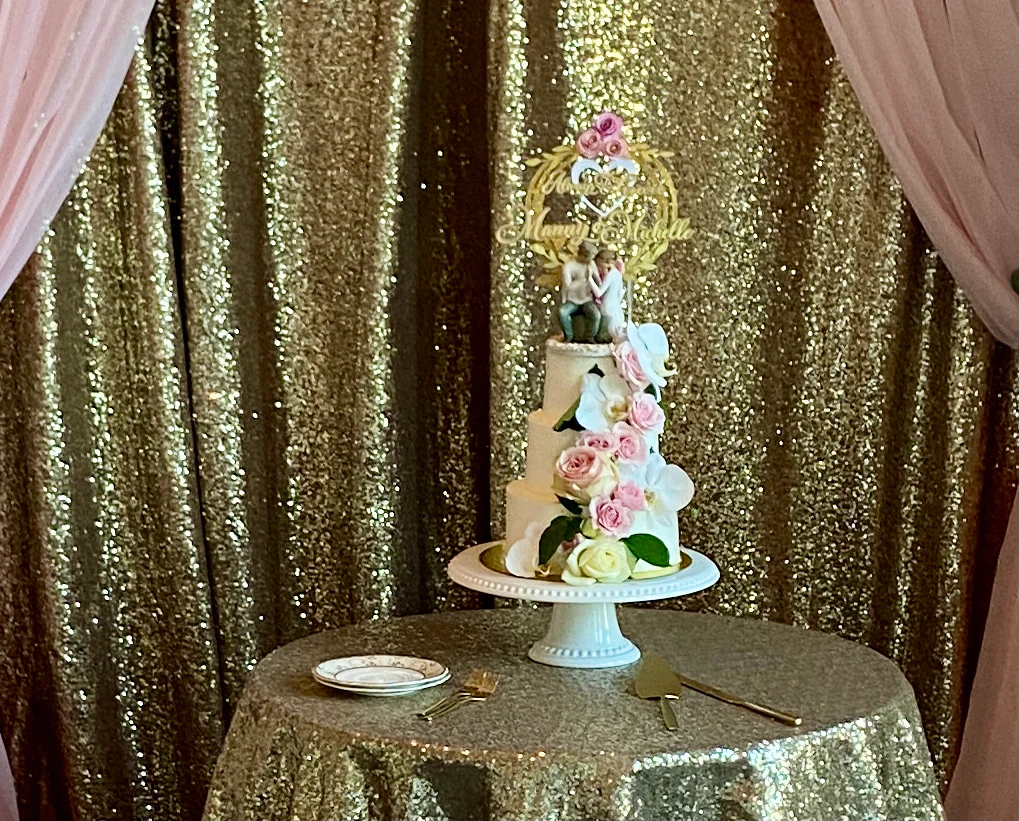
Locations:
(245, 387)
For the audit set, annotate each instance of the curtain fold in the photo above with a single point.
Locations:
(103, 557)
(245, 385)
(938, 84)
(62, 64)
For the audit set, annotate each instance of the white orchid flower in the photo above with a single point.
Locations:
(604, 400)
(652, 349)
(668, 488)
(522, 556)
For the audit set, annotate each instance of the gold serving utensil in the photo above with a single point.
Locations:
(729, 698)
(484, 687)
(655, 679)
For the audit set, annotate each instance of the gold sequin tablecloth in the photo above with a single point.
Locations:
(578, 744)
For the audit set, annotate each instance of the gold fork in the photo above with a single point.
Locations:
(480, 685)
(489, 681)
(473, 680)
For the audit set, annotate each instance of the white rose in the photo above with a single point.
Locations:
(598, 560)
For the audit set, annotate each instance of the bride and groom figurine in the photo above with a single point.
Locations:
(592, 286)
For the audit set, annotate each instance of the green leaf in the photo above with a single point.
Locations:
(572, 506)
(596, 371)
(649, 548)
(568, 421)
(561, 529)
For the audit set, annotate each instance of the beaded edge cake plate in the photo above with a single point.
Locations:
(467, 570)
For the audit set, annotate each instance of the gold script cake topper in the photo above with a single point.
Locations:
(601, 189)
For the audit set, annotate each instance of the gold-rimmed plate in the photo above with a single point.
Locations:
(380, 673)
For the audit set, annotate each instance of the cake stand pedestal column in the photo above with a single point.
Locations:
(583, 631)
(584, 635)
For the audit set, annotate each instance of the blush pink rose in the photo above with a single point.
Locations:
(615, 147)
(579, 466)
(645, 414)
(604, 441)
(589, 143)
(611, 516)
(633, 449)
(630, 495)
(628, 365)
(608, 124)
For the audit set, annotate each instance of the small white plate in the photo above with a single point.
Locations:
(385, 692)
(379, 672)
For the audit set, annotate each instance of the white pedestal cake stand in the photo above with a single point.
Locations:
(584, 631)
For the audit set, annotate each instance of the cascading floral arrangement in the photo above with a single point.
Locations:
(613, 484)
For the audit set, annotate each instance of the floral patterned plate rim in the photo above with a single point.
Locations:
(379, 672)
(406, 690)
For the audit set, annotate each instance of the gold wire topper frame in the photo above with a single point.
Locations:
(601, 189)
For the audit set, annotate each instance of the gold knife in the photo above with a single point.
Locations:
(729, 698)
(655, 679)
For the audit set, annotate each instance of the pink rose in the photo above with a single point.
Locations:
(608, 124)
(589, 143)
(579, 465)
(645, 414)
(615, 147)
(630, 495)
(629, 367)
(582, 473)
(604, 441)
(611, 516)
(633, 449)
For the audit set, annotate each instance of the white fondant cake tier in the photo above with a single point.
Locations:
(566, 363)
(526, 503)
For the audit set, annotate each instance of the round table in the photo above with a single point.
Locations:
(564, 743)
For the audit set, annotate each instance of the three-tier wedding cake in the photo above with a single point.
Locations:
(596, 491)
(598, 502)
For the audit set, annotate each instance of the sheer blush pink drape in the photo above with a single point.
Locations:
(62, 63)
(939, 82)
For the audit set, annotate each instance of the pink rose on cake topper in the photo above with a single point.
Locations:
(615, 147)
(609, 125)
(589, 143)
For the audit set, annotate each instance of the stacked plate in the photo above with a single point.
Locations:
(380, 675)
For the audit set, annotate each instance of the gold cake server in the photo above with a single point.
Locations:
(729, 698)
(655, 679)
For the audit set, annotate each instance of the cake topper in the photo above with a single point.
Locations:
(589, 205)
